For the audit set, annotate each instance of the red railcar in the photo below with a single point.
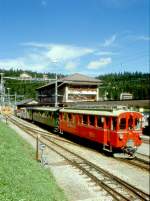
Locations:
(115, 129)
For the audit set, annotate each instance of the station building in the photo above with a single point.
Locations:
(74, 88)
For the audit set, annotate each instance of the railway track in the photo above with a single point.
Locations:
(140, 161)
(137, 161)
(110, 184)
(146, 141)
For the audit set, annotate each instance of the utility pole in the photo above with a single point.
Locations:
(15, 98)
(56, 92)
(8, 96)
(2, 89)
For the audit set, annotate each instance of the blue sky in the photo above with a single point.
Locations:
(92, 37)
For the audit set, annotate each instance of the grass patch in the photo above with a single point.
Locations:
(21, 177)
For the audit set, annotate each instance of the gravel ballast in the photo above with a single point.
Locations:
(77, 187)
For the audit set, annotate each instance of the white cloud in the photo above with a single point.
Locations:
(47, 57)
(12, 63)
(61, 52)
(65, 52)
(35, 44)
(71, 65)
(22, 63)
(99, 63)
(108, 42)
(106, 53)
(144, 38)
(134, 37)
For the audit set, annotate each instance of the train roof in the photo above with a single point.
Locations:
(96, 112)
(43, 108)
(92, 111)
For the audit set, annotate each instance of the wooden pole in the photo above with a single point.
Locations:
(37, 147)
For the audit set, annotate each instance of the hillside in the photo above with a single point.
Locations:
(24, 88)
(135, 83)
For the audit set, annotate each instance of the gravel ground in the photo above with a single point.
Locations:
(76, 186)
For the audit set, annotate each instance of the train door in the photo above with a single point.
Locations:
(107, 129)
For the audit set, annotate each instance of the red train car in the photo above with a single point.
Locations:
(114, 129)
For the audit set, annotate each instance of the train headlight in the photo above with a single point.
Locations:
(140, 135)
(120, 136)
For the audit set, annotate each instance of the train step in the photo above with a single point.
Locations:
(123, 155)
(107, 148)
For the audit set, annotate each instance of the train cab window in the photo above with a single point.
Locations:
(92, 120)
(114, 123)
(138, 123)
(130, 122)
(100, 122)
(122, 124)
(85, 119)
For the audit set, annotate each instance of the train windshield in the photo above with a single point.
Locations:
(138, 123)
(130, 123)
(122, 124)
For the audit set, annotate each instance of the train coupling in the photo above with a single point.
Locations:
(127, 153)
(130, 151)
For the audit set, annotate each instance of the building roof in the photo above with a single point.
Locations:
(76, 79)
(80, 78)
(25, 75)
(27, 101)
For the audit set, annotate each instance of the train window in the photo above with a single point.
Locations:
(61, 115)
(92, 120)
(80, 119)
(85, 119)
(65, 116)
(122, 123)
(74, 118)
(100, 121)
(46, 114)
(69, 117)
(52, 114)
